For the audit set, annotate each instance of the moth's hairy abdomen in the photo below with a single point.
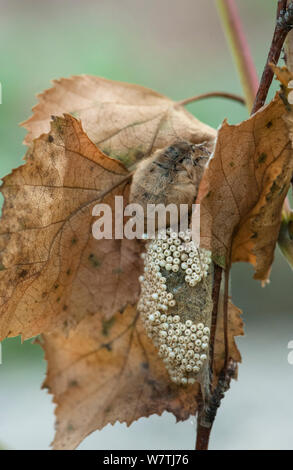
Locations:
(170, 176)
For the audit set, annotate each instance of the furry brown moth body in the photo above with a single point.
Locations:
(170, 176)
(176, 287)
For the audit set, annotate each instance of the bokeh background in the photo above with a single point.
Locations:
(179, 49)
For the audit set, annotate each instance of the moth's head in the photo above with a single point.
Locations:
(183, 152)
(178, 151)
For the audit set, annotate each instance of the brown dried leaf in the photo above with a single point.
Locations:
(56, 272)
(243, 189)
(126, 121)
(108, 371)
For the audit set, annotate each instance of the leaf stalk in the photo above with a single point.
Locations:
(239, 47)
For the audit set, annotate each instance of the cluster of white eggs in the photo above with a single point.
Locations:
(172, 250)
(183, 345)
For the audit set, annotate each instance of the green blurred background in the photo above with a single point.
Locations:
(177, 48)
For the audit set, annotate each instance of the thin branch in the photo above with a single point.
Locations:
(202, 436)
(232, 26)
(212, 94)
(283, 26)
(203, 428)
(207, 413)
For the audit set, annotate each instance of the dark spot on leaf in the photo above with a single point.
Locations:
(122, 309)
(108, 409)
(94, 261)
(139, 155)
(145, 365)
(232, 164)
(23, 273)
(117, 270)
(106, 325)
(152, 382)
(58, 299)
(274, 188)
(74, 241)
(68, 271)
(56, 286)
(73, 383)
(209, 193)
(65, 307)
(2, 267)
(70, 428)
(50, 138)
(255, 235)
(107, 346)
(262, 158)
(44, 294)
(269, 124)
